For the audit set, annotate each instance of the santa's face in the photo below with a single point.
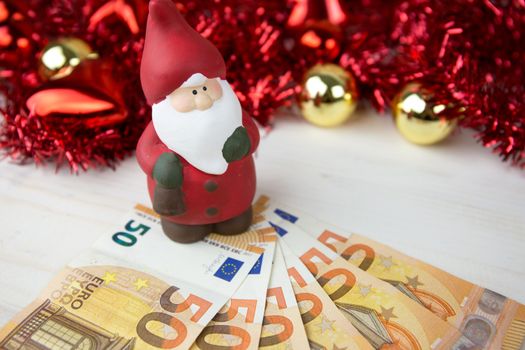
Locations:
(196, 119)
(201, 97)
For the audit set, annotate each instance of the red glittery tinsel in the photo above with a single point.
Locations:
(251, 35)
(469, 53)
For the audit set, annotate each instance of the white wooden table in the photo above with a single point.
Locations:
(454, 205)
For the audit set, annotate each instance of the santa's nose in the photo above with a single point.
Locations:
(203, 101)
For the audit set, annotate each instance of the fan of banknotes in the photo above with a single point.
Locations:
(291, 282)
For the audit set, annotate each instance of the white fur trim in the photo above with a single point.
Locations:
(194, 80)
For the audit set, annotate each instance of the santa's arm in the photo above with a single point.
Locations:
(149, 148)
(252, 130)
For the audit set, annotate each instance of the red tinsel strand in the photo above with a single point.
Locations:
(496, 94)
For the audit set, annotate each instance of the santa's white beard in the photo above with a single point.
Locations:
(199, 136)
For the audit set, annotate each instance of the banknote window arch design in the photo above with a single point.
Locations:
(478, 329)
(86, 344)
(50, 326)
(56, 335)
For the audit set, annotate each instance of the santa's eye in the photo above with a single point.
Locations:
(204, 88)
(194, 92)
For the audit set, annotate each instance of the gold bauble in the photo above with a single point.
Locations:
(60, 57)
(329, 95)
(418, 119)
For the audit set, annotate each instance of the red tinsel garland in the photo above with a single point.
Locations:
(468, 52)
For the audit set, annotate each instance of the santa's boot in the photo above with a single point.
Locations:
(184, 233)
(235, 225)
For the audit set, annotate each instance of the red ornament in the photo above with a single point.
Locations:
(317, 27)
(86, 111)
(88, 95)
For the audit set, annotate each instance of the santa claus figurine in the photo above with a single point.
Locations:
(197, 150)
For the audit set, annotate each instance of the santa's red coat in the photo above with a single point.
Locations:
(208, 198)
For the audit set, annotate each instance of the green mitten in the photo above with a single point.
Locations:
(168, 171)
(237, 145)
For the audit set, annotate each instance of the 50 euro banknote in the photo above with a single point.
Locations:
(238, 324)
(134, 289)
(488, 319)
(325, 325)
(385, 316)
(282, 325)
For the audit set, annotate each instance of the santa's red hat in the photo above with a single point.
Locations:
(173, 52)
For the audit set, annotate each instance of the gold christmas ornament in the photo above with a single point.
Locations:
(329, 95)
(59, 58)
(417, 119)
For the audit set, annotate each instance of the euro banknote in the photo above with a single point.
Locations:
(282, 325)
(238, 324)
(489, 319)
(325, 325)
(385, 316)
(134, 289)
